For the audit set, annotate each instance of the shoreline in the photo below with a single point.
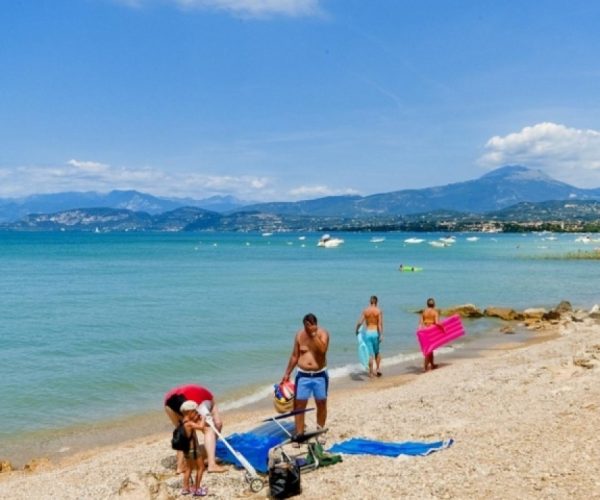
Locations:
(524, 419)
(57, 445)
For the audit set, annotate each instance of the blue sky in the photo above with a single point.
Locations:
(294, 99)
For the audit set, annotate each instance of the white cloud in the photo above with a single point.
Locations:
(258, 8)
(247, 184)
(244, 8)
(304, 192)
(77, 175)
(91, 167)
(568, 154)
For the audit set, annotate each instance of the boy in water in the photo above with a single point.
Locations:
(429, 317)
(192, 422)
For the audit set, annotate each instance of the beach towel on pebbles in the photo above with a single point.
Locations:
(359, 446)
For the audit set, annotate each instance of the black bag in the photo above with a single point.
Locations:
(180, 441)
(284, 480)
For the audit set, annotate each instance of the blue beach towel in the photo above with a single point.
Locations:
(254, 445)
(359, 446)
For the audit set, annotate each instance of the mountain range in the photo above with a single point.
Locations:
(13, 209)
(495, 191)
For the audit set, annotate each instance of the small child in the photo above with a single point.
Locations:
(192, 422)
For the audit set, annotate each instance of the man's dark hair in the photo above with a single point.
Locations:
(430, 302)
(310, 318)
(373, 299)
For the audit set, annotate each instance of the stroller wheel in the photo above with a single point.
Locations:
(256, 485)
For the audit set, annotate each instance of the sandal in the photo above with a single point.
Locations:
(201, 492)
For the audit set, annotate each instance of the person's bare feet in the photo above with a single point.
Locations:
(217, 469)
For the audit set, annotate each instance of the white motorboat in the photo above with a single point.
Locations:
(413, 241)
(438, 244)
(473, 238)
(377, 240)
(448, 240)
(327, 241)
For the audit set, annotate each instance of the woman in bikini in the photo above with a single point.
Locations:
(429, 317)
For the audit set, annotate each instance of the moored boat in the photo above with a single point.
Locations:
(327, 241)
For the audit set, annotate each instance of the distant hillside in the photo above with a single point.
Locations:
(17, 208)
(180, 219)
(498, 189)
(573, 210)
(556, 215)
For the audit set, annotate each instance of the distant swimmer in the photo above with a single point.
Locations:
(372, 317)
(429, 317)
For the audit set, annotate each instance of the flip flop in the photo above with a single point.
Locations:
(201, 492)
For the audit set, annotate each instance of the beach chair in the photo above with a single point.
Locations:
(254, 444)
(262, 447)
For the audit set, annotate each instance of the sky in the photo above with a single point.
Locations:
(282, 100)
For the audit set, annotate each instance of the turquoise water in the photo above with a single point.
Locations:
(100, 326)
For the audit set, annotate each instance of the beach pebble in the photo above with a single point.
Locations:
(5, 466)
(36, 464)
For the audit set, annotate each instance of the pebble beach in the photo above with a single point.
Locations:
(524, 422)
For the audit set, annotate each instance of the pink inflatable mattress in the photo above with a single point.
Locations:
(432, 337)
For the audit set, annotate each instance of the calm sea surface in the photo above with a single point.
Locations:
(100, 326)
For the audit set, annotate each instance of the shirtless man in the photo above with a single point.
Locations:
(430, 317)
(372, 317)
(309, 357)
